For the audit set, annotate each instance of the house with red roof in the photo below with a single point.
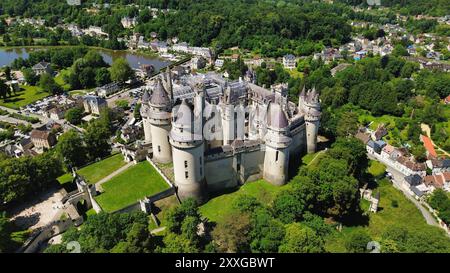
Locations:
(447, 100)
(431, 152)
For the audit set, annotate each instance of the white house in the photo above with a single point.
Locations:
(289, 61)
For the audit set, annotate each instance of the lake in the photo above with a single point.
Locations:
(7, 56)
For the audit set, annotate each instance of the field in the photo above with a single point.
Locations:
(217, 208)
(27, 95)
(96, 171)
(128, 187)
(405, 214)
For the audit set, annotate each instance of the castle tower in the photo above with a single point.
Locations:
(312, 112)
(188, 154)
(301, 100)
(169, 83)
(145, 114)
(160, 107)
(276, 158)
(228, 124)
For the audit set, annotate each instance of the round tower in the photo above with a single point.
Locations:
(160, 107)
(145, 108)
(312, 120)
(277, 140)
(227, 118)
(188, 154)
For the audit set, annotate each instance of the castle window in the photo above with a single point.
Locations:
(276, 156)
(185, 163)
(186, 174)
(201, 171)
(200, 160)
(159, 149)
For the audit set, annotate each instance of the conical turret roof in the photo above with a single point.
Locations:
(159, 96)
(184, 116)
(146, 96)
(277, 117)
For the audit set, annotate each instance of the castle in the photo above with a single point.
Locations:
(220, 133)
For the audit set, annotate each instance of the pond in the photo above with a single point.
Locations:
(7, 56)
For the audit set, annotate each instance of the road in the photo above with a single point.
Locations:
(397, 182)
(43, 119)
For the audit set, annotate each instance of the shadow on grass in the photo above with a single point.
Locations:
(357, 218)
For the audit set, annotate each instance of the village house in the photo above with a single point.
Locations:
(42, 68)
(429, 147)
(289, 61)
(93, 104)
(42, 139)
(128, 22)
(408, 166)
(198, 63)
(107, 89)
(379, 133)
(447, 100)
(438, 181)
(439, 165)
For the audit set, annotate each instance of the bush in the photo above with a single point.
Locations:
(394, 203)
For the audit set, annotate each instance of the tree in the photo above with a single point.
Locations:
(246, 203)
(121, 70)
(87, 77)
(8, 73)
(174, 243)
(48, 84)
(232, 235)
(266, 233)
(97, 137)
(357, 242)
(347, 124)
(74, 115)
(71, 149)
(288, 207)
(400, 50)
(301, 239)
(176, 216)
(104, 232)
(122, 104)
(30, 77)
(4, 89)
(137, 111)
(5, 233)
(102, 76)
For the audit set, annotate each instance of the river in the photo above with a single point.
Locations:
(7, 56)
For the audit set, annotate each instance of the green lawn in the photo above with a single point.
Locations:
(96, 171)
(406, 215)
(27, 95)
(217, 208)
(60, 79)
(295, 73)
(130, 186)
(376, 168)
(65, 178)
(99, 170)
